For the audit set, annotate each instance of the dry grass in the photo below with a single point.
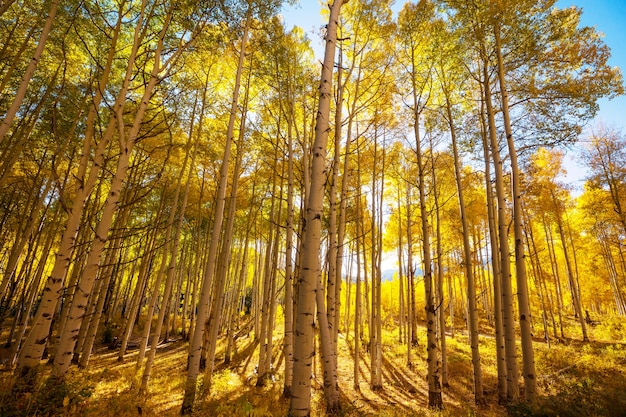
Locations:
(574, 379)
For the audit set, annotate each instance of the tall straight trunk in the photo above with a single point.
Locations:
(217, 300)
(30, 70)
(570, 272)
(349, 285)
(528, 355)
(441, 318)
(256, 289)
(451, 298)
(241, 280)
(300, 404)
(376, 381)
(288, 306)
(483, 269)
(140, 285)
(90, 323)
(555, 272)
(432, 347)
(508, 322)
(401, 320)
(366, 288)
(343, 199)
(467, 263)
(271, 248)
(329, 363)
(357, 302)
(89, 326)
(194, 145)
(171, 269)
(190, 300)
(609, 261)
(412, 308)
(379, 245)
(334, 276)
(537, 271)
(195, 347)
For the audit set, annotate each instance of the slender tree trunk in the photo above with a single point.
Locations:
(357, 302)
(412, 308)
(376, 381)
(300, 404)
(441, 318)
(30, 70)
(555, 273)
(271, 247)
(570, 272)
(288, 307)
(432, 346)
(528, 355)
(171, 270)
(205, 292)
(537, 271)
(401, 320)
(34, 289)
(334, 276)
(140, 286)
(508, 322)
(467, 263)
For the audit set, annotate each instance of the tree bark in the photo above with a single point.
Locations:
(530, 381)
(467, 264)
(30, 70)
(508, 322)
(205, 292)
(300, 404)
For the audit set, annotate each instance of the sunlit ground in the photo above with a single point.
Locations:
(573, 379)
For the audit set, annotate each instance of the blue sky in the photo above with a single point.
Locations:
(608, 16)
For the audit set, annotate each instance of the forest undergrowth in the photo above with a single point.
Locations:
(574, 379)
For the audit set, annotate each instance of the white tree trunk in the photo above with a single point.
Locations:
(30, 70)
(311, 269)
(528, 355)
(195, 347)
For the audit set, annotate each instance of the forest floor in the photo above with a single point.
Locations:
(574, 379)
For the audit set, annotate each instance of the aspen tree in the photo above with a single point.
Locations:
(467, 257)
(30, 70)
(439, 297)
(83, 290)
(530, 380)
(288, 308)
(508, 324)
(501, 364)
(357, 306)
(205, 292)
(190, 152)
(300, 404)
(432, 346)
(415, 20)
(34, 345)
(269, 282)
